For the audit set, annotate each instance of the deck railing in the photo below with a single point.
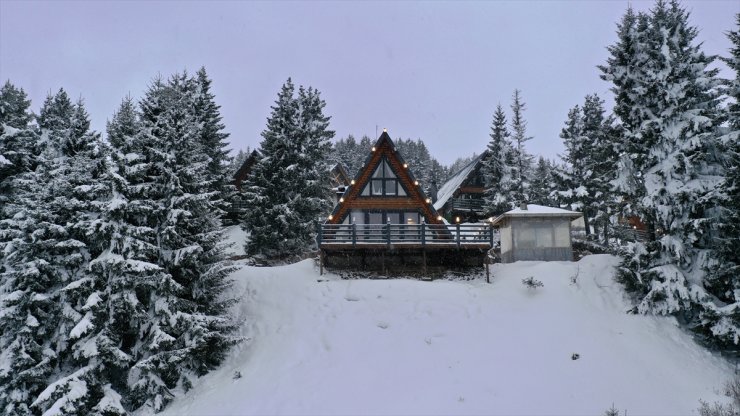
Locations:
(407, 234)
(460, 204)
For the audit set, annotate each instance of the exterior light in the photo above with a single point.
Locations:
(341, 199)
(405, 165)
(457, 219)
(490, 219)
(416, 183)
(331, 217)
(352, 182)
(373, 148)
(634, 227)
(385, 130)
(429, 200)
(439, 218)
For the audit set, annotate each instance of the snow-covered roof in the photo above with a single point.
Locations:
(534, 210)
(448, 189)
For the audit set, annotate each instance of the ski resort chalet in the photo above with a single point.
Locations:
(385, 221)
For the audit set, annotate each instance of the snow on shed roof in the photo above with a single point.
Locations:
(534, 210)
(448, 189)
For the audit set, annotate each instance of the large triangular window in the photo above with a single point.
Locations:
(383, 182)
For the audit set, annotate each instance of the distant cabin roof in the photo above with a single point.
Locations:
(448, 189)
(534, 210)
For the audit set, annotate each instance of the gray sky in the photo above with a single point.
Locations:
(430, 70)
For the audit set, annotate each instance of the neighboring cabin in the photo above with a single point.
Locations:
(460, 199)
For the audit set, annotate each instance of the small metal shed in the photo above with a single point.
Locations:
(536, 232)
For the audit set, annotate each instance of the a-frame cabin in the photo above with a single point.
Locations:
(460, 199)
(385, 221)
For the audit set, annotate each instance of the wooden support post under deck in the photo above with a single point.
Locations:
(321, 262)
(354, 234)
(457, 227)
(424, 257)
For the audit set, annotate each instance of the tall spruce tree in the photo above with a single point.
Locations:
(542, 183)
(213, 140)
(522, 159)
(288, 190)
(497, 168)
(187, 331)
(669, 116)
(723, 278)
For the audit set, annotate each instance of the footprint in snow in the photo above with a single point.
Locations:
(383, 325)
(349, 298)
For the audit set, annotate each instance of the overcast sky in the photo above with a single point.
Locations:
(430, 70)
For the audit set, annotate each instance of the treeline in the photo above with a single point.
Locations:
(668, 161)
(113, 282)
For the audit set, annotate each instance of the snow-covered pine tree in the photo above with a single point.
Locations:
(522, 159)
(345, 151)
(187, 331)
(723, 278)
(497, 168)
(213, 139)
(47, 277)
(670, 130)
(541, 184)
(284, 194)
(585, 183)
(18, 152)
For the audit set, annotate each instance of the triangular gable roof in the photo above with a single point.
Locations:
(450, 188)
(340, 177)
(415, 198)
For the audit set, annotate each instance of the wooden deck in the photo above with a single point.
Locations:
(405, 247)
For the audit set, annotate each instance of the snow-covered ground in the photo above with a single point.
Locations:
(236, 238)
(323, 345)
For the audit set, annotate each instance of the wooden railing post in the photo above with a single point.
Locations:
(388, 231)
(354, 234)
(490, 229)
(423, 233)
(457, 227)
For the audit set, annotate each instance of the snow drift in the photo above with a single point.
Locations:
(323, 345)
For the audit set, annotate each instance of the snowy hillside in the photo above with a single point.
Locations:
(322, 345)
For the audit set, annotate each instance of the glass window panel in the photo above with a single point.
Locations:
(388, 171)
(375, 218)
(366, 190)
(390, 186)
(411, 218)
(525, 236)
(378, 171)
(377, 186)
(394, 217)
(401, 191)
(358, 217)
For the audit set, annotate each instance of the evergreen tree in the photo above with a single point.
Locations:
(288, 190)
(187, 331)
(522, 159)
(498, 169)
(669, 116)
(542, 183)
(585, 182)
(213, 140)
(723, 278)
(46, 275)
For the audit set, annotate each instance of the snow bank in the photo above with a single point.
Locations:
(237, 238)
(322, 345)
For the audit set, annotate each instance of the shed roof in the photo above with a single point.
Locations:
(534, 210)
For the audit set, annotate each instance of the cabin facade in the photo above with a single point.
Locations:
(536, 232)
(460, 199)
(384, 218)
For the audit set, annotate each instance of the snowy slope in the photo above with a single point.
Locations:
(453, 347)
